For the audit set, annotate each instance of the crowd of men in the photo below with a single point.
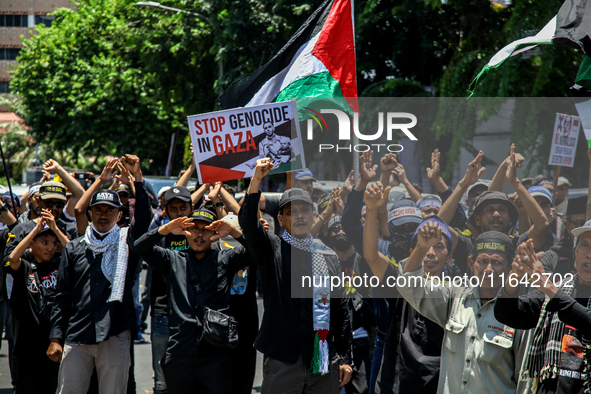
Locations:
(492, 291)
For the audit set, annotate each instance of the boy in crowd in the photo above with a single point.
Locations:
(35, 281)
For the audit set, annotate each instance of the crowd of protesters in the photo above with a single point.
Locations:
(72, 308)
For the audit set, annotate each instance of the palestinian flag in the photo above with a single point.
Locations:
(571, 27)
(318, 61)
(581, 94)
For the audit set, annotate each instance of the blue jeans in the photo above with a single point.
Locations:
(376, 364)
(159, 334)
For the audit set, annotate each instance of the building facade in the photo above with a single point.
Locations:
(17, 18)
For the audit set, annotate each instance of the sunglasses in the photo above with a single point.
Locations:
(51, 204)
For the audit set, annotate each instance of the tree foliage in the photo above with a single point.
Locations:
(111, 76)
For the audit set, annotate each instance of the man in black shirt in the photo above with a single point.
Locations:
(557, 308)
(177, 202)
(191, 364)
(291, 326)
(93, 315)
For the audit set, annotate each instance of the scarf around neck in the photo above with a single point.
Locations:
(115, 253)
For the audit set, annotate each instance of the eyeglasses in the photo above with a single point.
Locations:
(51, 204)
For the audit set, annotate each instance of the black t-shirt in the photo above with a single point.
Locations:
(158, 287)
(31, 329)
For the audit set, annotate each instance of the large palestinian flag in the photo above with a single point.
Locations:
(571, 27)
(318, 61)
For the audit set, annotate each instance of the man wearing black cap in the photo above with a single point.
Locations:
(177, 203)
(93, 317)
(52, 197)
(293, 327)
(199, 275)
(478, 352)
(493, 211)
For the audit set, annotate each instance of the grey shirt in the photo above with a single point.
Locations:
(479, 354)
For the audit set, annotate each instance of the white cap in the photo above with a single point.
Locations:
(580, 230)
(563, 181)
(163, 190)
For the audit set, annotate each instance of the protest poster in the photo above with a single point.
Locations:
(227, 144)
(564, 140)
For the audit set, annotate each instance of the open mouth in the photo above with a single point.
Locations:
(587, 266)
(300, 224)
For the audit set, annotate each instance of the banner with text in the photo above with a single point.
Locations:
(564, 140)
(228, 143)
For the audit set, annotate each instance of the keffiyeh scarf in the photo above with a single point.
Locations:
(543, 359)
(115, 256)
(320, 299)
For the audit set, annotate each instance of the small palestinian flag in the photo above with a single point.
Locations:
(570, 28)
(318, 61)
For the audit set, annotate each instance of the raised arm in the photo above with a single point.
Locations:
(434, 173)
(7, 215)
(184, 179)
(15, 256)
(214, 196)
(198, 194)
(68, 180)
(374, 197)
(156, 256)
(472, 175)
(82, 205)
(540, 222)
(258, 239)
(498, 181)
(401, 175)
(229, 201)
(48, 218)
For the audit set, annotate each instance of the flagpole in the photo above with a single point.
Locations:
(355, 138)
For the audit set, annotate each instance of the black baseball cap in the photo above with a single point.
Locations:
(203, 214)
(489, 197)
(294, 194)
(106, 196)
(177, 192)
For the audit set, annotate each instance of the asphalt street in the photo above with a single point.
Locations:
(143, 364)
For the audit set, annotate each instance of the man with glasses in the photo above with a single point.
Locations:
(52, 199)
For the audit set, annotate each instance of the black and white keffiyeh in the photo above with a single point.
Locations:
(115, 256)
(320, 298)
(543, 357)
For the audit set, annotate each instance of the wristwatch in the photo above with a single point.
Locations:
(3, 208)
(218, 204)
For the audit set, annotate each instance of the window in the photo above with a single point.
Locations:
(43, 19)
(14, 20)
(4, 87)
(9, 53)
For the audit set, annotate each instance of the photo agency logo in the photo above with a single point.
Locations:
(388, 122)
